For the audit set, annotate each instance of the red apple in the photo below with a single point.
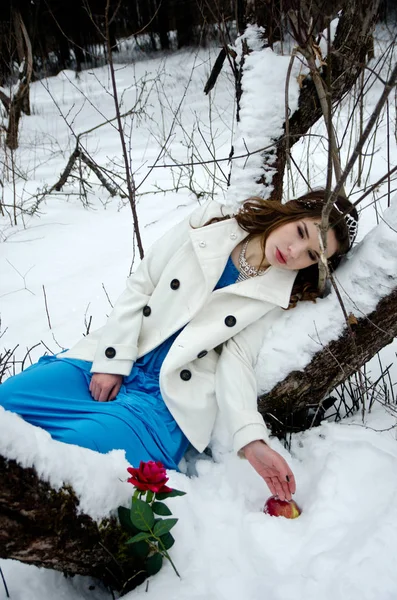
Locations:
(281, 508)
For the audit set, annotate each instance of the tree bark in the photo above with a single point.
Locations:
(284, 408)
(352, 42)
(20, 35)
(42, 526)
(5, 101)
(20, 101)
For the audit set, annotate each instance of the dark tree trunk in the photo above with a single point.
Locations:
(184, 23)
(282, 406)
(20, 101)
(14, 117)
(80, 57)
(353, 41)
(267, 15)
(42, 526)
(240, 16)
(163, 25)
(63, 53)
(5, 101)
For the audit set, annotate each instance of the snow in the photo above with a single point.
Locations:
(262, 115)
(343, 545)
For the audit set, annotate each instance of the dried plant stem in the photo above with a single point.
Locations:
(14, 192)
(46, 308)
(389, 85)
(388, 150)
(128, 173)
(361, 125)
(4, 583)
(287, 144)
(323, 96)
(358, 149)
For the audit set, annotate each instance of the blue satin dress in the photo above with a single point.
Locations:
(53, 394)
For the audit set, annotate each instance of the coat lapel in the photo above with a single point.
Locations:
(274, 286)
(213, 245)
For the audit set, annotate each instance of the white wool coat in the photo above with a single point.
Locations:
(210, 366)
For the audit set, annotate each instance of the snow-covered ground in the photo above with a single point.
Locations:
(59, 267)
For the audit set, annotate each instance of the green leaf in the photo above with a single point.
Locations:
(125, 520)
(149, 496)
(159, 508)
(177, 493)
(141, 515)
(171, 494)
(167, 540)
(154, 563)
(164, 526)
(139, 537)
(141, 549)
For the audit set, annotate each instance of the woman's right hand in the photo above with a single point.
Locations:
(272, 467)
(105, 386)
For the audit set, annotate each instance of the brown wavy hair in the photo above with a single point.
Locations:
(261, 217)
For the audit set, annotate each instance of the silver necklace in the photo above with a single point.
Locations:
(246, 270)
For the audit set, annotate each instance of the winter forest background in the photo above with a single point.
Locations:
(116, 120)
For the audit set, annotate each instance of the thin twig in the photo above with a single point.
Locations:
(360, 144)
(46, 307)
(128, 173)
(4, 583)
(107, 295)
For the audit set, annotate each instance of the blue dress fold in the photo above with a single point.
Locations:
(53, 394)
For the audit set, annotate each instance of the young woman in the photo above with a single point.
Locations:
(181, 342)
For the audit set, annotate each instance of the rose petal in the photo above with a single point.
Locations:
(132, 471)
(138, 484)
(165, 488)
(149, 476)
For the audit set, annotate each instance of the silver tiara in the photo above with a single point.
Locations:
(351, 222)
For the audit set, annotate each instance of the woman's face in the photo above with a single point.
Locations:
(296, 245)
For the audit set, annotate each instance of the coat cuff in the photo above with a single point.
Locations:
(115, 359)
(250, 433)
(117, 367)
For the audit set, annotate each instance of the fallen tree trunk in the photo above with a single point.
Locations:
(42, 526)
(348, 53)
(284, 408)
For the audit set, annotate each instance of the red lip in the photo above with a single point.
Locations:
(280, 257)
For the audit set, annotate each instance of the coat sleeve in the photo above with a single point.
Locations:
(236, 386)
(117, 347)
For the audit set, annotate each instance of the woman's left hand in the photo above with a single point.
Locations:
(270, 465)
(105, 386)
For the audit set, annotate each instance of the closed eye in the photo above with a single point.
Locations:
(304, 234)
(314, 257)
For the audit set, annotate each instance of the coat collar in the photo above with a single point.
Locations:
(213, 245)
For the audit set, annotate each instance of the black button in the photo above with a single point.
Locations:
(110, 352)
(186, 375)
(146, 311)
(230, 321)
(175, 283)
(202, 354)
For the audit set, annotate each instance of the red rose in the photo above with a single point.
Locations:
(150, 476)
